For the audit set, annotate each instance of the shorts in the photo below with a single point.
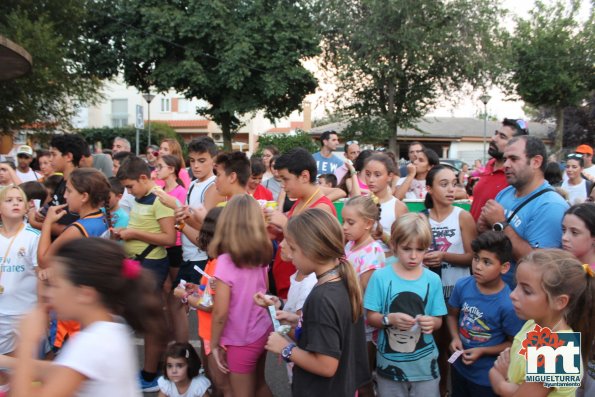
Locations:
(389, 387)
(243, 359)
(188, 273)
(174, 254)
(9, 326)
(159, 269)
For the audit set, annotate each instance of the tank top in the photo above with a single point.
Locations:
(92, 225)
(387, 214)
(194, 198)
(447, 237)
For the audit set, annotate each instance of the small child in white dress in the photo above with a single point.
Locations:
(181, 377)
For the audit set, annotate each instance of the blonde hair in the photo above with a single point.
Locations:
(175, 149)
(319, 236)
(563, 274)
(367, 208)
(409, 227)
(4, 192)
(241, 233)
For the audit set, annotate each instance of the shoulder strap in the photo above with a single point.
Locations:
(192, 185)
(531, 198)
(588, 185)
(140, 257)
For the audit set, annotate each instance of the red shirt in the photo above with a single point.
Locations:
(262, 193)
(282, 270)
(489, 185)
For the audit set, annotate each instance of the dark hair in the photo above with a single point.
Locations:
(495, 242)
(514, 124)
(271, 148)
(553, 173)
(96, 185)
(204, 144)
(329, 178)
(296, 161)
(174, 161)
(257, 166)
(34, 191)
(207, 230)
(416, 143)
(384, 159)
(116, 186)
(187, 352)
(122, 156)
(325, 136)
(9, 163)
(533, 147)
(133, 168)
(432, 156)
(52, 182)
(235, 162)
(103, 259)
(576, 156)
(43, 153)
(109, 152)
(586, 213)
(428, 201)
(70, 143)
(358, 164)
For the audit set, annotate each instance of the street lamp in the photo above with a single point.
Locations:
(485, 98)
(149, 97)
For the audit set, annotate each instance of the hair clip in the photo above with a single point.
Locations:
(187, 354)
(374, 198)
(588, 270)
(131, 269)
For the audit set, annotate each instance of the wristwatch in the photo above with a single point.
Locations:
(385, 321)
(499, 226)
(286, 352)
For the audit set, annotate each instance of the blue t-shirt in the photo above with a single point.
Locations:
(539, 222)
(484, 320)
(327, 165)
(120, 218)
(406, 356)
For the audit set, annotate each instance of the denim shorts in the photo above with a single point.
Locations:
(159, 269)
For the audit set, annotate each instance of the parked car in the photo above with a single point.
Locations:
(456, 164)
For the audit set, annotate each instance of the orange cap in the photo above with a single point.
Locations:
(584, 149)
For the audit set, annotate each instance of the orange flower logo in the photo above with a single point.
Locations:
(540, 337)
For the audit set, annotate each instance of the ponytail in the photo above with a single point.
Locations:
(354, 290)
(582, 318)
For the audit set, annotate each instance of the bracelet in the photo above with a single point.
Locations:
(180, 226)
(282, 305)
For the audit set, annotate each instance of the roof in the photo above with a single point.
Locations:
(294, 125)
(202, 123)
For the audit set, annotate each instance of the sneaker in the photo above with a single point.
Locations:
(148, 387)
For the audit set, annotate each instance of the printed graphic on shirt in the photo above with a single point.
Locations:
(472, 326)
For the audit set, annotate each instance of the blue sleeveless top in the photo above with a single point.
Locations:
(92, 225)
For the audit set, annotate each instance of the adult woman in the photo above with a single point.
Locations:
(171, 146)
(267, 155)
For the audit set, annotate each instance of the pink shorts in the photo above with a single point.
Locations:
(243, 359)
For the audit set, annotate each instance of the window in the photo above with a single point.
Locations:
(183, 105)
(165, 105)
(119, 112)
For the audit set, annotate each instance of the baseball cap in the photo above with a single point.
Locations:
(25, 149)
(584, 149)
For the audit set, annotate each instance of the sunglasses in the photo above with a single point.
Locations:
(574, 156)
(351, 143)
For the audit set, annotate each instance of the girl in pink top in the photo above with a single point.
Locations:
(170, 146)
(240, 328)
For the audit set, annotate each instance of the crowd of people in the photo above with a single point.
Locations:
(385, 302)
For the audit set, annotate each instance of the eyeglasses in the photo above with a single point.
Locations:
(351, 143)
(521, 123)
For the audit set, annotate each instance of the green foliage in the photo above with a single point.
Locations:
(394, 60)
(52, 31)
(106, 135)
(240, 56)
(287, 142)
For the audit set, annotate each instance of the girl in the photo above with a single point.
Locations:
(92, 283)
(380, 170)
(576, 186)
(45, 165)
(172, 147)
(354, 181)
(553, 290)
(181, 377)
(18, 282)
(329, 357)
(267, 155)
(239, 327)
(8, 175)
(405, 301)
(413, 186)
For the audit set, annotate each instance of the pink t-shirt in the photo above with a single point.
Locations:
(366, 258)
(246, 321)
(179, 192)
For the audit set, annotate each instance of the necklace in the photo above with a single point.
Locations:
(6, 254)
(307, 202)
(332, 272)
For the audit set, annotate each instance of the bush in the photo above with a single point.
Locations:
(286, 142)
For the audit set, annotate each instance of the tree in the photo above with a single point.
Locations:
(553, 60)
(239, 56)
(393, 60)
(52, 31)
(285, 142)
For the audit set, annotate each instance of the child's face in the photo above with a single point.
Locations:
(45, 166)
(13, 206)
(177, 369)
(138, 188)
(297, 257)
(57, 160)
(224, 182)
(421, 163)
(114, 200)
(201, 165)
(355, 226)
(293, 184)
(487, 267)
(529, 298)
(410, 254)
(443, 187)
(254, 181)
(576, 237)
(377, 176)
(74, 199)
(163, 170)
(4, 174)
(164, 149)
(61, 294)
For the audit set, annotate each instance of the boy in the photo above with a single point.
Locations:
(233, 172)
(254, 187)
(119, 216)
(327, 180)
(481, 319)
(297, 170)
(150, 229)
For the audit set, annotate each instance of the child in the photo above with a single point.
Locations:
(92, 283)
(413, 186)
(170, 146)
(150, 229)
(37, 194)
(44, 163)
(330, 349)
(18, 282)
(481, 319)
(119, 216)
(254, 186)
(233, 172)
(239, 326)
(405, 301)
(8, 174)
(327, 180)
(181, 377)
(576, 186)
(553, 290)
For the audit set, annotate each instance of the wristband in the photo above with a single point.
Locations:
(282, 305)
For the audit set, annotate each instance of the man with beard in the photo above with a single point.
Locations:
(492, 179)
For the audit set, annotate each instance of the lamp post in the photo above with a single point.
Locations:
(149, 97)
(485, 98)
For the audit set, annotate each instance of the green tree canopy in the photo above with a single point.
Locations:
(240, 56)
(395, 59)
(286, 142)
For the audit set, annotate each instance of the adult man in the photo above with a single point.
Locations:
(326, 161)
(492, 180)
(24, 159)
(589, 168)
(351, 152)
(120, 145)
(415, 148)
(528, 211)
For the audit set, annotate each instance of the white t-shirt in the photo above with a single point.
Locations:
(104, 352)
(27, 176)
(576, 193)
(198, 387)
(18, 272)
(195, 198)
(590, 170)
(299, 291)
